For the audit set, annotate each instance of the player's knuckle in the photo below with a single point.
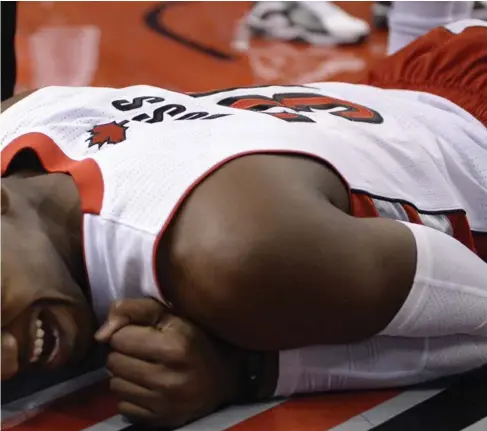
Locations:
(182, 350)
(115, 385)
(117, 340)
(125, 409)
(170, 386)
(113, 361)
(159, 382)
(174, 384)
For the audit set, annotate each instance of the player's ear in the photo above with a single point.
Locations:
(5, 200)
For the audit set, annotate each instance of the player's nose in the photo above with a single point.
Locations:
(10, 356)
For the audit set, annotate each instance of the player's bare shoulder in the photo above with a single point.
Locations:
(17, 98)
(240, 202)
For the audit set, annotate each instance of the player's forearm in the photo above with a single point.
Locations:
(378, 362)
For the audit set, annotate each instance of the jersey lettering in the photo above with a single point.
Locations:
(164, 111)
(125, 105)
(303, 102)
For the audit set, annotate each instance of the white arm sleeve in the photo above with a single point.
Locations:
(449, 294)
(440, 330)
(379, 362)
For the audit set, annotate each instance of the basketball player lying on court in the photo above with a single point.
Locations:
(253, 242)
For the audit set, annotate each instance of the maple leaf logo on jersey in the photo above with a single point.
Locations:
(109, 133)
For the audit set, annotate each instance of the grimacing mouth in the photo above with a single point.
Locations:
(53, 336)
(45, 339)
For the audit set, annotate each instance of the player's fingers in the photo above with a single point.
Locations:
(144, 311)
(137, 371)
(10, 356)
(127, 391)
(170, 346)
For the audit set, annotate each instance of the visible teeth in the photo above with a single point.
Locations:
(39, 342)
(56, 346)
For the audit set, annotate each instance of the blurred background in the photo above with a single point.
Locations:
(186, 46)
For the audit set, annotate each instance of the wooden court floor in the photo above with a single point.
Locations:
(187, 46)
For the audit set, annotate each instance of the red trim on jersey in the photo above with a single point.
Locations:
(461, 229)
(362, 205)
(207, 174)
(480, 241)
(412, 214)
(85, 173)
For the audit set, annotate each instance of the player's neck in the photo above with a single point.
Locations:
(56, 200)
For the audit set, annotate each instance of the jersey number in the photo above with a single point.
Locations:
(303, 102)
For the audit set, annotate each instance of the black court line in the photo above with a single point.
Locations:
(461, 405)
(154, 20)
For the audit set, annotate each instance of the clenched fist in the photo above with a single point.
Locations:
(165, 370)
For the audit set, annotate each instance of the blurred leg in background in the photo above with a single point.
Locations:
(381, 9)
(9, 66)
(408, 20)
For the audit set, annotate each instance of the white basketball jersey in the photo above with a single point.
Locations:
(135, 153)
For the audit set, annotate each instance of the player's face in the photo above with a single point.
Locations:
(43, 309)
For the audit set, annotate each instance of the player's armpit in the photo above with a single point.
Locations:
(259, 256)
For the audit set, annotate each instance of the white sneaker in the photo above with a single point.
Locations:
(314, 22)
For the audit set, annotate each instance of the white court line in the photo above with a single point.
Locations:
(387, 410)
(24, 408)
(230, 416)
(218, 421)
(357, 423)
(115, 423)
(399, 404)
(481, 425)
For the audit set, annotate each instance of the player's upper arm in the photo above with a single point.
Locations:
(263, 259)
